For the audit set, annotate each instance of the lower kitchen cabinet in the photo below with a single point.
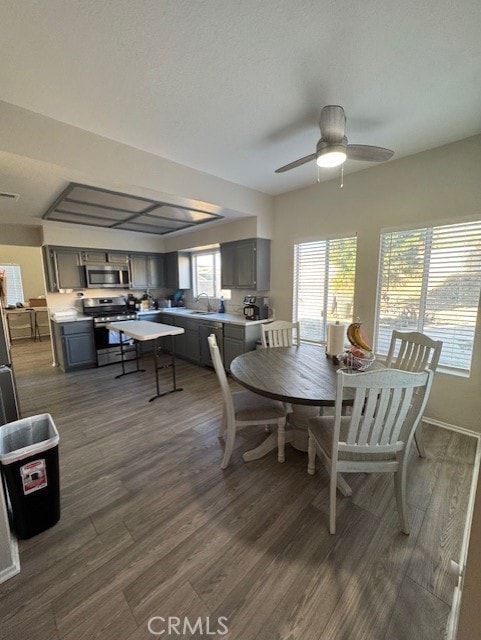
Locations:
(74, 344)
(239, 339)
(187, 345)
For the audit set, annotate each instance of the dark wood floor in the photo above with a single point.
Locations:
(151, 526)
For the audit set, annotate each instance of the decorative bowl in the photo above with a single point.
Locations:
(355, 362)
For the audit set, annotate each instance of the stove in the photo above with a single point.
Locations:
(103, 311)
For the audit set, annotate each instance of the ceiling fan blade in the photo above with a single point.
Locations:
(332, 123)
(367, 153)
(296, 163)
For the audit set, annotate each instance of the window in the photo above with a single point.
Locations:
(429, 281)
(323, 285)
(206, 273)
(12, 278)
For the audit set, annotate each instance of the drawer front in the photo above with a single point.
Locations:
(81, 326)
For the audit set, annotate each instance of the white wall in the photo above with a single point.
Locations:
(439, 185)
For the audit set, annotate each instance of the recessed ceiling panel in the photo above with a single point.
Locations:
(178, 213)
(61, 216)
(108, 199)
(144, 228)
(163, 222)
(92, 210)
(81, 204)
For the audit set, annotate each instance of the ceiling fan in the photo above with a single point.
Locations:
(332, 148)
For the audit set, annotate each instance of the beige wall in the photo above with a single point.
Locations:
(439, 185)
(30, 261)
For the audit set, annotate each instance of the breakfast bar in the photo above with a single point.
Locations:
(144, 330)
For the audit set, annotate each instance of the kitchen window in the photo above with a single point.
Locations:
(324, 273)
(206, 274)
(430, 281)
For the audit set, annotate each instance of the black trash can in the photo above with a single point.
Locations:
(29, 462)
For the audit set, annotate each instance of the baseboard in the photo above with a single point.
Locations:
(452, 427)
(14, 568)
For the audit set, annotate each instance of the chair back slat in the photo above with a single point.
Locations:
(383, 410)
(221, 375)
(280, 334)
(413, 351)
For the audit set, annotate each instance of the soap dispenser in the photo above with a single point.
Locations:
(221, 306)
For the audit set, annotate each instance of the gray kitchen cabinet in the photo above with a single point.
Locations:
(90, 256)
(177, 270)
(93, 256)
(239, 339)
(245, 264)
(146, 272)
(74, 344)
(187, 345)
(64, 268)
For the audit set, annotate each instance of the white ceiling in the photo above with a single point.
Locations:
(235, 87)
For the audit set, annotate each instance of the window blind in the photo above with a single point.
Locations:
(430, 281)
(13, 280)
(323, 285)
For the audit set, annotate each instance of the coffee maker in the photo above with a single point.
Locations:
(256, 308)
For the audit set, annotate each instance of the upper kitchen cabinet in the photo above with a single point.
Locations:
(177, 270)
(90, 256)
(246, 264)
(64, 268)
(147, 272)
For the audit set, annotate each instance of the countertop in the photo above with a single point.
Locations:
(68, 318)
(197, 314)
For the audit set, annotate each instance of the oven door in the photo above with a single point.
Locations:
(107, 344)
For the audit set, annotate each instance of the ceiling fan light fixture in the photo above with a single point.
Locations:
(331, 156)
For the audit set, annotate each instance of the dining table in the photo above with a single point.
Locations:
(302, 376)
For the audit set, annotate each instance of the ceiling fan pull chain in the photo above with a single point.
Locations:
(342, 177)
(318, 174)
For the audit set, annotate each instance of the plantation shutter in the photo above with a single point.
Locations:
(430, 281)
(323, 285)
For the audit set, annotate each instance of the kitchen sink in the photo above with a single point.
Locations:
(199, 313)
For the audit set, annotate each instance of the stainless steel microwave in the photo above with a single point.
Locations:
(106, 276)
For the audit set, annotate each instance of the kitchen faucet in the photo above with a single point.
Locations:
(204, 295)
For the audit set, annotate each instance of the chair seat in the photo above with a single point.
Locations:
(251, 406)
(322, 429)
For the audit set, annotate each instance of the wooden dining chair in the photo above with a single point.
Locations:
(244, 408)
(280, 333)
(376, 437)
(414, 351)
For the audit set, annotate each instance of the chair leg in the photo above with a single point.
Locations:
(419, 440)
(281, 439)
(229, 446)
(223, 425)
(332, 503)
(311, 456)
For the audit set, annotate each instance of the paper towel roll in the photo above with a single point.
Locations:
(335, 339)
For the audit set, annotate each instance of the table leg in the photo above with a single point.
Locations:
(171, 365)
(122, 358)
